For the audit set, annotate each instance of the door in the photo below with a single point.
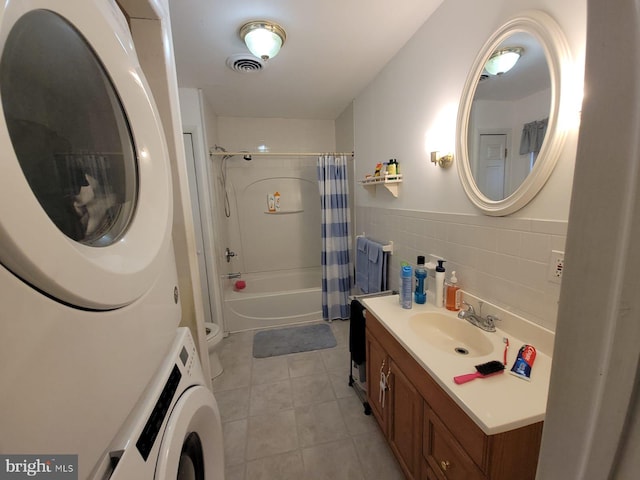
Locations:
(490, 170)
(405, 421)
(85, 192)
(204, 269)
(377, 373)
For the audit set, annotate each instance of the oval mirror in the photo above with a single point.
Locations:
(508, 140)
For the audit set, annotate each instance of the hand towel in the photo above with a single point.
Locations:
(362, 264)
(375, 267)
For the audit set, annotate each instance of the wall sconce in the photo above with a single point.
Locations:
(443, 161)
(263, 38)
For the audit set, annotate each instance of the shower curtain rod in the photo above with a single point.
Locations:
(279, 154)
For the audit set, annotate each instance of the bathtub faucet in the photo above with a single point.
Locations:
(229, 254)
(233, 275)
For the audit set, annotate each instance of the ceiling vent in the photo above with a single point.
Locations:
(244, 63)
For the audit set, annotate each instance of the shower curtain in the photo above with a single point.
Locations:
(336, 242)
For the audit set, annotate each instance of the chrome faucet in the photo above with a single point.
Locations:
(229, 254)
(487, 323)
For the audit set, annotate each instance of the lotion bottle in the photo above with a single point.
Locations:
(440, 284)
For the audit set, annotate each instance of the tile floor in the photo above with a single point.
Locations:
(294, 417)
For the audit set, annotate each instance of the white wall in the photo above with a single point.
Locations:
(410, 109)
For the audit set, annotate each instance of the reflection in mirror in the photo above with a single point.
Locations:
(508, 119)
(508, 140)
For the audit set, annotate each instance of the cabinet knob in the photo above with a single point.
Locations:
(444, 465)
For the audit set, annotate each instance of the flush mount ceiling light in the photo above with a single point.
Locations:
(263, 38)
(503, 60)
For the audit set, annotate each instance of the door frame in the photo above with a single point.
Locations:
(199, 169)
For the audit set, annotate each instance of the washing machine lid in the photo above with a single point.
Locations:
(85, 186)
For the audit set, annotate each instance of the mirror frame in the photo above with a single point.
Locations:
(554, 44)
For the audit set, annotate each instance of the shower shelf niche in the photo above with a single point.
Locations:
(389, 181)
(283, 212)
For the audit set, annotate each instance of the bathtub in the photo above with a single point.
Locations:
(274, 298)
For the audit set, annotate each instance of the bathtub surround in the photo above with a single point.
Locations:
(336, 242)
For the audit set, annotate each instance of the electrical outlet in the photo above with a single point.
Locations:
(556, 266)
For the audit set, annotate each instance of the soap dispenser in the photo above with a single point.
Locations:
(452, 301)
(440, 284)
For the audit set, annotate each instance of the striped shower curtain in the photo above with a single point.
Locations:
(336, 243)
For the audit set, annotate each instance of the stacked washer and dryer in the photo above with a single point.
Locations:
(92, 361)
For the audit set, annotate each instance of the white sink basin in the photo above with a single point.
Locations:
(450, 334)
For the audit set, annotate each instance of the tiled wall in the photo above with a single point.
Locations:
(503, 260)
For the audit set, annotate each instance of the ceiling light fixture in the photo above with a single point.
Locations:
(503, 60)
(263, 38)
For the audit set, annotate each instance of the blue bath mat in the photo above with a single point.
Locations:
(281, 341)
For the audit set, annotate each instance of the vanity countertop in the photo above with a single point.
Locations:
(498, 403)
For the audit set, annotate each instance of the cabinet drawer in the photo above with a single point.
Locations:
(444, 454)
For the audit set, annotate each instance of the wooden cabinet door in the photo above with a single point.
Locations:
(377, 366)
(405, 422)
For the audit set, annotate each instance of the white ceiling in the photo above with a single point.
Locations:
(334, 48)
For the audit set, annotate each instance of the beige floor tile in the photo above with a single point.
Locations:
(235, 472)
(319, 423)
(267, 370)
(303, 364)
(340, 384)
(235, 375)
(376, 457)
(311, 389)
(271, 434)
(271, 397)
(333, 461)
(336, 359)
(353, 415)
(286, 466)
(340, 329)
(233, 404)
(234, 435)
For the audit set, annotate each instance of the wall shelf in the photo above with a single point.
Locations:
(283, 212)
(389, 181)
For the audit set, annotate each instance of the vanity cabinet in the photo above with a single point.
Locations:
(430, 435)
(396, 405)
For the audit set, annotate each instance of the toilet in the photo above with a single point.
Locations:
(214, 337)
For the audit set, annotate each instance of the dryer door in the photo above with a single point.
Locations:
(192, 446)
(85, 193)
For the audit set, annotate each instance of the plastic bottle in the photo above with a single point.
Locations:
(391, 167)
(402, 265)
(420, 295)
(440, 284)
(405, 289)
(276, 201)
(453, 303)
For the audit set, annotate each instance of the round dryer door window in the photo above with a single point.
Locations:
(85, 199)
(68, 129)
